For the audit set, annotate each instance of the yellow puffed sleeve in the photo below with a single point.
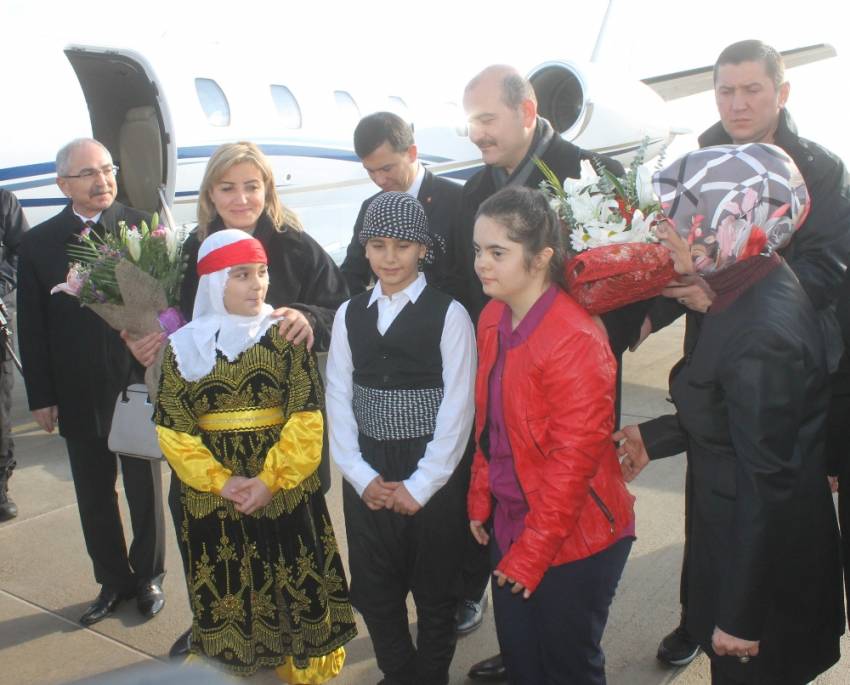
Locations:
(296, 454)
(193, 463)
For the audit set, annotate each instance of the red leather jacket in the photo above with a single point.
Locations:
(558, 402)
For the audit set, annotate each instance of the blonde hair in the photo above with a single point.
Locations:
(227, 156)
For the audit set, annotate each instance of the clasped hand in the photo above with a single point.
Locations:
(725, 644)
(381, 494)
(247, 494)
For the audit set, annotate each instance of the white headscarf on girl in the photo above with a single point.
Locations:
(212, 328)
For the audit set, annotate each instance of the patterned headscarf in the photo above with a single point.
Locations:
(731, 202)
(400, 216)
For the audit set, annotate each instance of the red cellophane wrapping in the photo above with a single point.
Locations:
(605, 278)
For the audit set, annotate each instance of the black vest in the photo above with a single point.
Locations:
(408, 355)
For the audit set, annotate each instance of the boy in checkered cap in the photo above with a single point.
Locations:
(400, 380)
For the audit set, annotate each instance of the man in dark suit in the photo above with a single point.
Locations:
(384, 143)
(74, 367)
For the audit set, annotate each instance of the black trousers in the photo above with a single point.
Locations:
(7, 446)
(391, 555)
(95, 470)
(554, 637)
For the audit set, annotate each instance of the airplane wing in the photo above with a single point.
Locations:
(683, 83)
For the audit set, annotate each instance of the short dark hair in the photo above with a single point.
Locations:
(530, 221)
(753, 51)
(382, 127)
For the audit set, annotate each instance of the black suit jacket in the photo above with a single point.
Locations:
(441, 199)
(71, 357)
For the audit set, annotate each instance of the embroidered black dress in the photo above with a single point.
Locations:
(267, 586)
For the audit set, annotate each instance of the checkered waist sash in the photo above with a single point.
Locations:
(396, 414)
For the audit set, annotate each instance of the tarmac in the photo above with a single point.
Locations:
(46, 579)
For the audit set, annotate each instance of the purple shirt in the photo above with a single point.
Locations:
(511, 507)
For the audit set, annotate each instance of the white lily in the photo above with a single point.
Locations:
(134, 244)
(643, 185)
(171, 244)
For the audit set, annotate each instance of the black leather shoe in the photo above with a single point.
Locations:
(105, 603)
(180, 648)
(150, 599)
(492, 670)
(678, 648)
(470, 615)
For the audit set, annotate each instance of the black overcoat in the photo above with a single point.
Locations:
(762, 557)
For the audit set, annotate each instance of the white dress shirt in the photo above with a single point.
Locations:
(94, 219)
(416, 186)
(457, 409)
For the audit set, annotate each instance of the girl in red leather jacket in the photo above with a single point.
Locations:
(547, 493)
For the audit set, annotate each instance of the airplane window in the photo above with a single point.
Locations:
(454, 116)
(347, 106)
(287, 106)
(213, 102)
(397, 105)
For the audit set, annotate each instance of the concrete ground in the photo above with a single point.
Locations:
(46, 579)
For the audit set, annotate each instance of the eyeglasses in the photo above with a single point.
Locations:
(108, 170)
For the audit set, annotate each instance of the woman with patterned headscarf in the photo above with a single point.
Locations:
(763, 576)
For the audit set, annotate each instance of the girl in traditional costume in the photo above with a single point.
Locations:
(239, 419)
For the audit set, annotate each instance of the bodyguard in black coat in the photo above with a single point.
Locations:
(74, 367)
(384, 142)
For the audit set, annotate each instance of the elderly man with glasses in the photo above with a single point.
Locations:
(74, 366)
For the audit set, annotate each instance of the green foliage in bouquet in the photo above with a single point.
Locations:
(156, 250)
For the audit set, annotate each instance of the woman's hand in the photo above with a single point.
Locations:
(294, 326)
(680, 252)
(231, 489)
(255, 495)
(518, 587)
(145, 349)
(632, 451)
(725, 644)
(479, 532)
(47, 418)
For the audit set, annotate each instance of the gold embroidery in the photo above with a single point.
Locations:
(263, 588)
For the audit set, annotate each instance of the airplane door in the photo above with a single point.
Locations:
(129, 115)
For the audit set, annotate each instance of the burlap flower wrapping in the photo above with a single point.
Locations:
(144, 301)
